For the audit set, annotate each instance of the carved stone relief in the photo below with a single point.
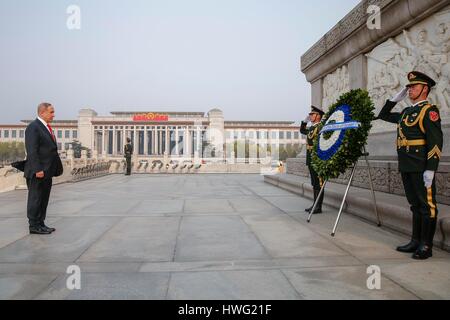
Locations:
(426, 48)
(335, 84)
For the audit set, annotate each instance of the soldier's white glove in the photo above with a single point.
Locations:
(401, 95)
(428, 177)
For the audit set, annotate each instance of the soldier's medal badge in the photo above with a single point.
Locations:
(434, 116)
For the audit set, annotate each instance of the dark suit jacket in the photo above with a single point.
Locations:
(42, 152)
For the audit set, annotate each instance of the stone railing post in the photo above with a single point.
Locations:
(84, 157)
(166, 158)
(70, 158)
(135, 162)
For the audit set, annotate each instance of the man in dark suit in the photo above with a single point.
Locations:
(43, 163)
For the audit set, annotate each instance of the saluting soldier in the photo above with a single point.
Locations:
(419, 146)
(128, 152)
(315, 116)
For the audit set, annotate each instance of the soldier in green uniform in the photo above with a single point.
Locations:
(419, 146)
(315, 116)
(128, 152)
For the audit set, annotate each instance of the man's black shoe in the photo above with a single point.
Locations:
(424, 252)
(409, 248)
(309, 209)
(44, 227)
(38, 230)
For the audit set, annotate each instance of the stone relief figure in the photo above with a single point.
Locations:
(334, 85)
(425, 48)
(442, 90)
(424, 51)
(434, 59)
(442, 34)
(379, 85)
(387, 70)
(403, 61)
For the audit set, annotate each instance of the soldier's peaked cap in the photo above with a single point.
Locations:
(416, 77)
(318, 110)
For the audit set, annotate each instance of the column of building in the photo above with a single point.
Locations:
(146, 141)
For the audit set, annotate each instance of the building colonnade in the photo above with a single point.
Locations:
(148, 140)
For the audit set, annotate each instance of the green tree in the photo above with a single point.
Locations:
(11, 151)
(241, 145)
(283, 154)
(293, 150)
(77, 147)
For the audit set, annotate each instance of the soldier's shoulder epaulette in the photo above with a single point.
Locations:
(428, 111)
(433, 113)
(429, 108)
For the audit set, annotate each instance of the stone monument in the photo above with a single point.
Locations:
(414, 35)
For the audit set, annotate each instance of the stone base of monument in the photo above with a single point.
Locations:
(385, 174)
(393, 209)
(213, 168)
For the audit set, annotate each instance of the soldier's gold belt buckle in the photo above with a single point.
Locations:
(408, 143)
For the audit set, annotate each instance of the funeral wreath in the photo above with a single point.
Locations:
(343, 134)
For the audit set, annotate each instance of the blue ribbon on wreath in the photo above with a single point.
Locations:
(348, 124)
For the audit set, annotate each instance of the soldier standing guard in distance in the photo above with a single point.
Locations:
(419, 146)
(315, 116)
(128, 152)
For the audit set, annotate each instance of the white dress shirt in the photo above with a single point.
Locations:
(45, 124)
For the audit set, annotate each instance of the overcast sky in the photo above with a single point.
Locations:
(242, 56)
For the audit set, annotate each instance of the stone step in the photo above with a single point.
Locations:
(393, 209)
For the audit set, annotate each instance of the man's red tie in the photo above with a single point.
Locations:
(51, 131)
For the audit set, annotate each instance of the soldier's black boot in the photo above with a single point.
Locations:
(319, 203)
(424, 252)
(314, 201)
(425, 249)
(413, 245)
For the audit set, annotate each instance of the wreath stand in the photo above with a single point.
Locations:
(365, 154)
